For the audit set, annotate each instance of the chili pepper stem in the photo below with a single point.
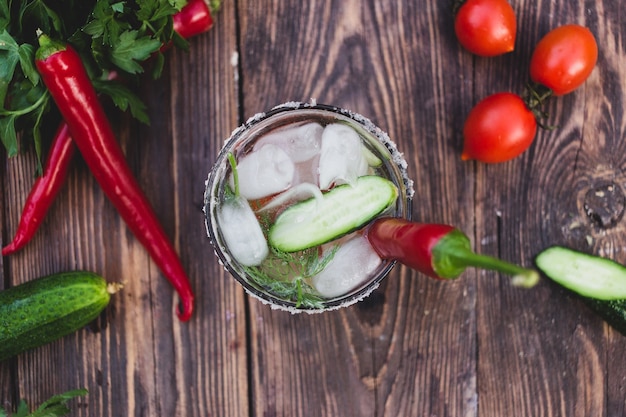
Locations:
(522, 277)
(453, 254)
(114, 287)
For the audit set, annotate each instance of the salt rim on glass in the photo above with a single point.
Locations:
(298, 113)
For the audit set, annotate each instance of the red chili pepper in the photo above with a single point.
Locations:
(44, 190)
(64, 75)
(437, 250)
(193, 19)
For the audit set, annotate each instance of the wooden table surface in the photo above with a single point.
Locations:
(476, 346)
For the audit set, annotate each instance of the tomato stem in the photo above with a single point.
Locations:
(535, 95)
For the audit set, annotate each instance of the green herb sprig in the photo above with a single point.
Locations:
(110, 35)
(56, 406)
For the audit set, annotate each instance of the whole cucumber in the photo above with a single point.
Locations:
(45, 309)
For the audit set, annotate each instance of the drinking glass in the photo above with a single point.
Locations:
(263, 128)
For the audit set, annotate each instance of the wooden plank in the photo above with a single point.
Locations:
(141, 360)
(473, 347)
(211, 351)
(410, 348)
(6, 369)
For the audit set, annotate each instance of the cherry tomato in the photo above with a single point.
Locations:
(486, 27)
(564, 58)
(498, 128)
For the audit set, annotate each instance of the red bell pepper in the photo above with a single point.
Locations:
(64, 75)
(437, 250)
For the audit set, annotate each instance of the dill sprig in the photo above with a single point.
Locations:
(290, 272)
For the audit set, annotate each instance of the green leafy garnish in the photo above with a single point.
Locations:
(123, 98)
(54, 407)
(290, 273)
(110, 36)
(132, 49)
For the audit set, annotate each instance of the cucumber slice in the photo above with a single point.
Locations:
(599, 282)
(342, 210)
(242, 232)
(587, 275)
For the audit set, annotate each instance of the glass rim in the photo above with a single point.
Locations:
(220, 163)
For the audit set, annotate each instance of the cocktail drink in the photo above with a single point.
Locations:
(289, 198)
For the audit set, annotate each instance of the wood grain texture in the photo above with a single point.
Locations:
(370, 58)
(544, 342)
(472, 347)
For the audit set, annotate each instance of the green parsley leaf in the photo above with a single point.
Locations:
(22, 409)
(9, 57)
(214, 5)
(106, 27)
(8, 135)
(159, 64)
(179, 4)
(132, 49)
(26, 53)
(5, 14)
(37, 10)
(95, 28)
(123, 98)
(109, 35)
(56, 406)
(38, 116)
(151, 11)
(118, 7)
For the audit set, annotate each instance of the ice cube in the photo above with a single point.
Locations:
(301, 143)
(342, 160)
(307, 171)
(265, 171)
(242, 232)
(351, 266)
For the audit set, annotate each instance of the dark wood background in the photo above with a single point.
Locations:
(417, 347)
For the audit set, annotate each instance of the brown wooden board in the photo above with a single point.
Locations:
(476, 346)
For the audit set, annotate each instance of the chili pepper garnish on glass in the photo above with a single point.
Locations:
(193, 19)
(437, 250)
(64, 75)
